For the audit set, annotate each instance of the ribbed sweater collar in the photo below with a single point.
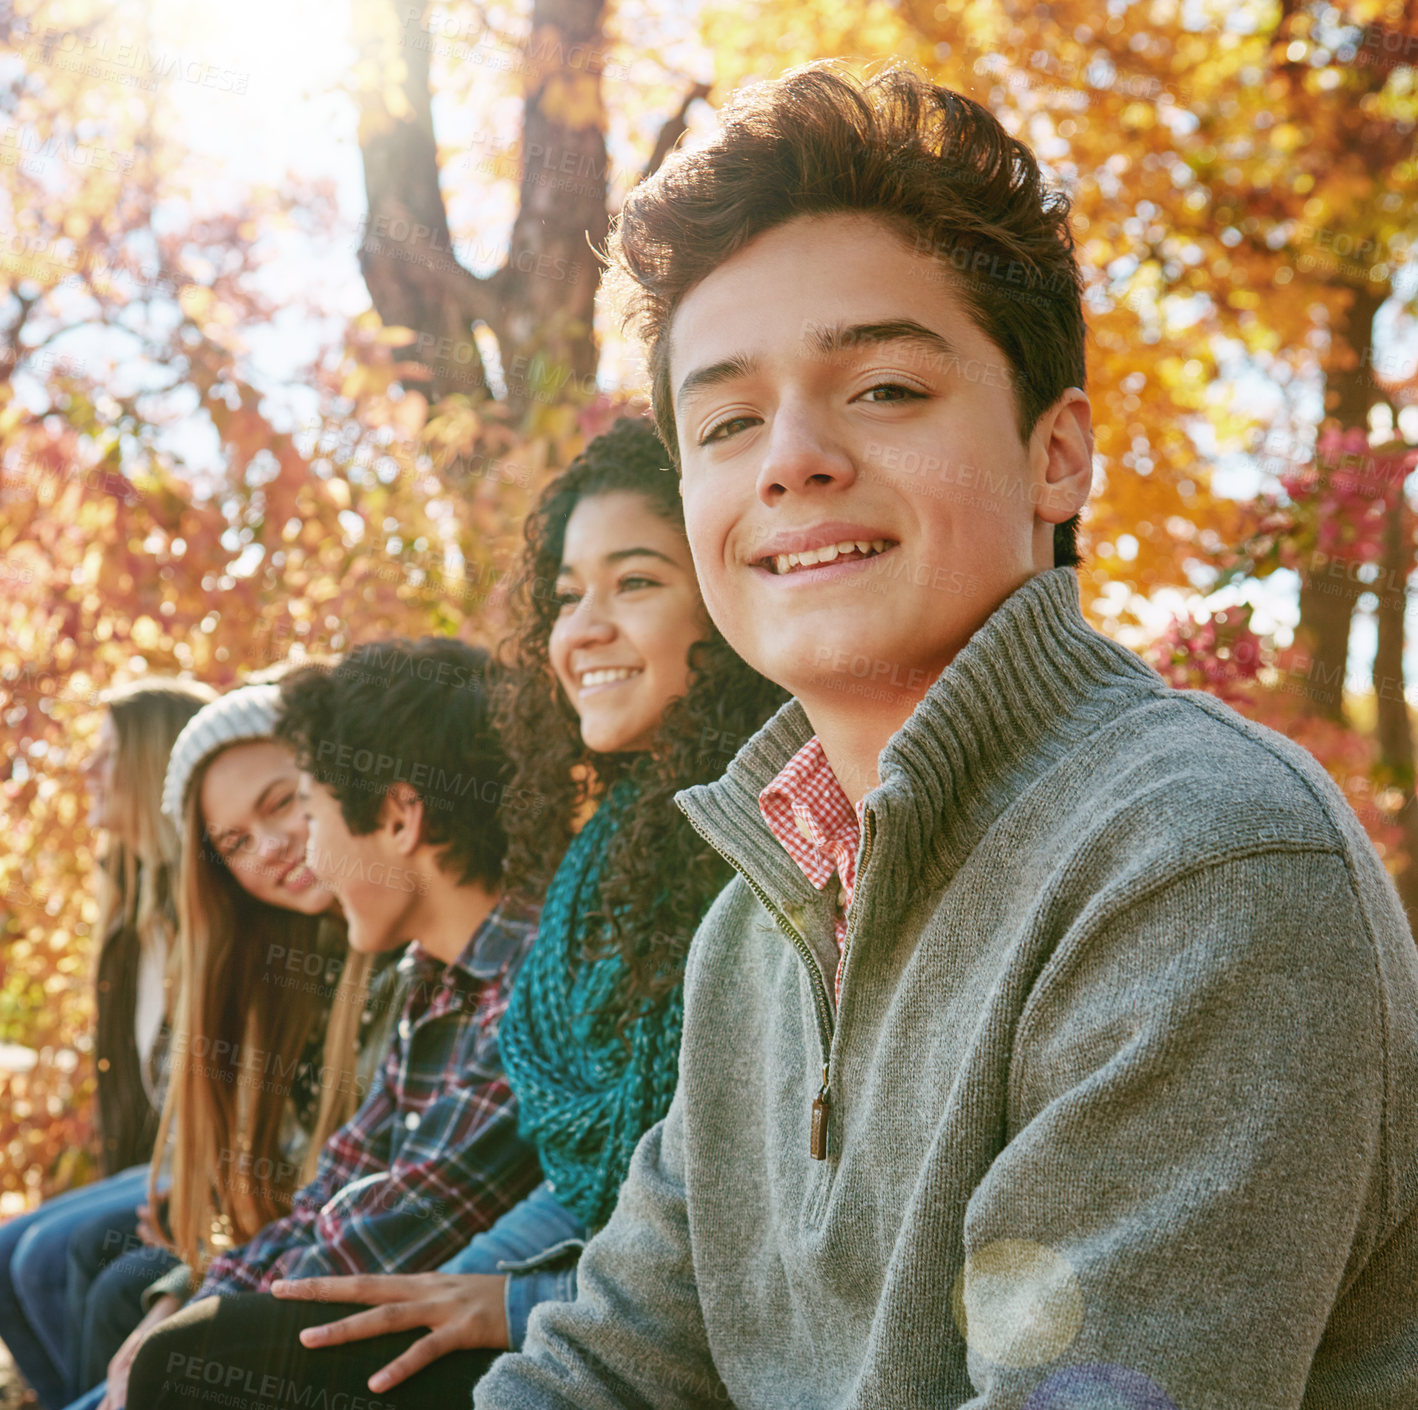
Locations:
(1033, 681)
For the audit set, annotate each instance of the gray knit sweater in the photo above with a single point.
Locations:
(1123, 1091)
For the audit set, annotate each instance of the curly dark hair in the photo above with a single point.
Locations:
(930, 162)
(660, 875)
(418, 712)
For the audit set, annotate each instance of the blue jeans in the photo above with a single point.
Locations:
(537, 1243)
(34, 1268)
(110, 1268)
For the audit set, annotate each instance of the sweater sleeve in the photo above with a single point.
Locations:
(635, 1334)
(176, 1282)
(1193, 1171)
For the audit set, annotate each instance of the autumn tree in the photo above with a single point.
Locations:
(123, 550)
(537, 306)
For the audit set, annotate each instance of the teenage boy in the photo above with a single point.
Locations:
(403, 775)
(1058, 1045)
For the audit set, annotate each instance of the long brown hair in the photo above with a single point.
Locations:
(257, 982)
(136, 915)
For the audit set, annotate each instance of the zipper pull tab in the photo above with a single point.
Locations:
(817, 1140)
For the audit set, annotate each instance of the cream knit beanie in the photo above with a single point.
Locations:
(248, 712)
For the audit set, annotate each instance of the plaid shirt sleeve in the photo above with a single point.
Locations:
(357, 1151)
(432, 1158)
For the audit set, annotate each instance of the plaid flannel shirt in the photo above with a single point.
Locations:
(433, 1156)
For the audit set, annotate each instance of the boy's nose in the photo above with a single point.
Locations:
(799, 455)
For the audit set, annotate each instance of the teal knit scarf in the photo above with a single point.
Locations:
(582, 1098)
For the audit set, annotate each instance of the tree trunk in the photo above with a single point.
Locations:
(539, 305)
(548, 285)
(1393, 729)
(1327, 598)
(406, 255)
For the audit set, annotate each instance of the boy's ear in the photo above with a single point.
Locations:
(401, 815)
(1063, 450)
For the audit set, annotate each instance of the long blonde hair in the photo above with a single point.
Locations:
(239, 1035)
(137, 864)
(142, 845)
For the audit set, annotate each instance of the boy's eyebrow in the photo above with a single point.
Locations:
(839, 337)
(824, 342)
(740, 365)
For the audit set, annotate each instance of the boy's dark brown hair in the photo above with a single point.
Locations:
(418, 712)
(930, 162)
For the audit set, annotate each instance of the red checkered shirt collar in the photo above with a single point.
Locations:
(808, 812)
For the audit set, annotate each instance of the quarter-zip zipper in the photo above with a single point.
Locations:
(817, 1138)
(822, 1103)
(821, 1111)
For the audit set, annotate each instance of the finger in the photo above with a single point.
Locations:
(320, 1289)
(388, 1287)
(423, 1352)
(391, 1317)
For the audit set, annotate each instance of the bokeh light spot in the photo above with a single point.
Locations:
(1018, 1303)
(1099, 1387)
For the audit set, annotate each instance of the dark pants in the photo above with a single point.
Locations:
(244, 1353)
(109, 1269)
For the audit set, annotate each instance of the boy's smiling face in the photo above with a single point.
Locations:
(831, 391)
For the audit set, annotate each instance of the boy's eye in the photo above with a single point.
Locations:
(729, 426)
(893, 391)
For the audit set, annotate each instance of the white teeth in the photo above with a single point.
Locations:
(810, 558)
(605, 676)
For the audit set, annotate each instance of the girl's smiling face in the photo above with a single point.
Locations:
(629, 612)
(255, 823)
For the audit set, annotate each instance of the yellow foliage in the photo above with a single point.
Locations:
(573, 99)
